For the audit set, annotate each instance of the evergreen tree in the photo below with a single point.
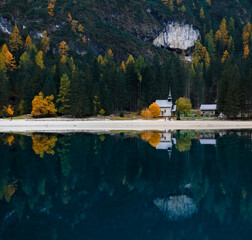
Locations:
(64, 95)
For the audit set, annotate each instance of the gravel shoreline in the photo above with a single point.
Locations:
(70, 125)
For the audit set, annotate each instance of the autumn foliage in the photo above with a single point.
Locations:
(146, 113)
(10, 111)
(42, 107)
(155, 139)
(44, 144)
(7, 59)
(154, 110)
(146, 136)
(50, 7)
(152, 137)
(63, 49)
(15, 41)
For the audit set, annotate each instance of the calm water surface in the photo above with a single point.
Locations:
(174, 185)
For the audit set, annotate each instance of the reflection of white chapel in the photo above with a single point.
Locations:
(166, 142)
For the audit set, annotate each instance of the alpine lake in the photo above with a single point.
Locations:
(126, 185)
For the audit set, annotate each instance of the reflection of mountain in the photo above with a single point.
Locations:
(176, 207)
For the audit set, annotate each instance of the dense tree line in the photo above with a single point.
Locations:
(220, 71)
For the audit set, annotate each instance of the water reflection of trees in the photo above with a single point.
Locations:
(43, 144)
(218, 178)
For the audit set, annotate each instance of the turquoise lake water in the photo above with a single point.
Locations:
(149, 185)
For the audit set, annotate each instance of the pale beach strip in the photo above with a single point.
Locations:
(70, 125)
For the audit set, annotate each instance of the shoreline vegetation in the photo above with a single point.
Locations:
(104, 124)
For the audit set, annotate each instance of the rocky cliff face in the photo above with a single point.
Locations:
(178, 36)
(5, 26)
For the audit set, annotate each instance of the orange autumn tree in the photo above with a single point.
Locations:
(63, 49)
(28, 42)
(146, 136)
(155, 139)
(222, 33)
(50, 7)
(43, 107)
(10, 111)
(224, 57)
(7, 58)
(10, 140)
(154, 110)
(247, 38)
(45, 42)
(7, 189)
(146, 113)
(44, 144)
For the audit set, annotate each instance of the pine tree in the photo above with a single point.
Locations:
(64, 95)
(234, 94)
(15, 41)
(197, 52)
(49, 86)
(80, 104)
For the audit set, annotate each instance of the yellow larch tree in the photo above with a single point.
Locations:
(110, 53)
(45, 42)
(209, 2)
(15, 41)
(8, 58)
(28, 42)
(84, 40)
(224, 57)
(69, 17)
(39, 59)
(50, 7)
(123, 66)
(247, 38)
(74, 25)
(202, 14)
(222, 33)
(63, 49)
(130, 60)
(170, 5)
(246, 51)
(80, 28)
